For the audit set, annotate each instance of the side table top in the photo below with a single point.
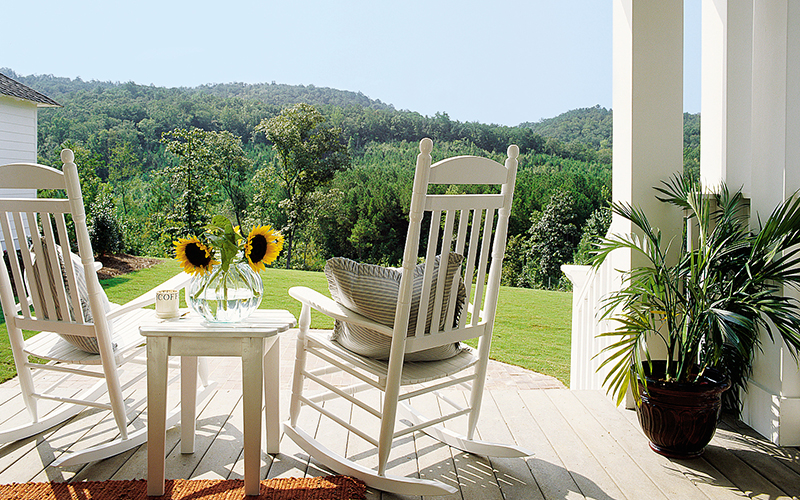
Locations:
(261, 323)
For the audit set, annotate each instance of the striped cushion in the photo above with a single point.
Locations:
(87, 344)
(372, 291)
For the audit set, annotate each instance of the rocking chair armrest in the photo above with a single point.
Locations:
(335, 310)
(149, 297)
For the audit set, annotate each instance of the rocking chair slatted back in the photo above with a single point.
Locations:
(48, 279)
(464, 224)
(32, 271)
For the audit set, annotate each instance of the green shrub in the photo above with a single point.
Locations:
(105, 230)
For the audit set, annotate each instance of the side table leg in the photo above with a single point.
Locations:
(252, 379)
(188, 402)
(156, 413)
(272, 361)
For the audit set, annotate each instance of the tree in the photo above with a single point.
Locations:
(594, 231)
(121, 168)
(513, 273)
(88, 164)
(308, 154)
(265, 204)
(206, 156)
(553, 239)
(230, 167)
(365, 214)
(189, 179)
(106, 232)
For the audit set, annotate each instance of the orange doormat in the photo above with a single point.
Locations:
(311, 488)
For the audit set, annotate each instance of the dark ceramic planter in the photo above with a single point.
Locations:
(680, 419)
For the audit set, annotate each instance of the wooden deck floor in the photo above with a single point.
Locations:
(583, 448)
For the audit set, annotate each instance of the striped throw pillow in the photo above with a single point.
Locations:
(372, 291)
(86, 344)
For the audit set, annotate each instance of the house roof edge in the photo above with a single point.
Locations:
(12, 88)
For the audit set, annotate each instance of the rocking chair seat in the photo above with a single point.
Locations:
(51, 346)
(414, 372)
(124, 321)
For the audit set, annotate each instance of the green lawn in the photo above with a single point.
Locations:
(532, 329)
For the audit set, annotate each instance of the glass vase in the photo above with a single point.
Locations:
(226, 296)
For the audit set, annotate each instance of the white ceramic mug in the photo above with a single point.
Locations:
(167, 303)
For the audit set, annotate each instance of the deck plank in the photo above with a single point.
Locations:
(402, 462)
(359, 450)
(476, 476)
(14, 411)
(292, 461)
(106, 469)
(101, 428)
(591, 477)
(748, 477)
(552, 477)
(662, 472)
(620, 466)
(223, 453)
(701, 472)
(135, 466)
(84, 430)
(742, 439)
(12, 455)
(513, 476)
(435, 460)
(207, 431)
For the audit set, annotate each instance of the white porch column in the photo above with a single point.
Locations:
(648, 104)
(725, 155)
(648, 111)
(772, 405)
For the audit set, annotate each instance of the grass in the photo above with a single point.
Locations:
(532, 327)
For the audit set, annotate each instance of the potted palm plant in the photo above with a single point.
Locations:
(707, 305)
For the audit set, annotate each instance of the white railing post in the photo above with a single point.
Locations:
(589, 287)
(582, 278)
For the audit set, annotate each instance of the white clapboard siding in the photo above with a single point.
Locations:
(18, 122)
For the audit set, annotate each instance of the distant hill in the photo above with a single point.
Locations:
(106, 116)
(594, 127)
(691, 130)
(590, 126)
(269, 94)
(280, 94)
(239, 106)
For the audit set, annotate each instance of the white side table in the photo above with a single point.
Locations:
(255, 340)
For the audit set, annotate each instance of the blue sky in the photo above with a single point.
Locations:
(499, 61)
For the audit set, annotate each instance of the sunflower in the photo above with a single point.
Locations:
(262, 247)
(194, 256)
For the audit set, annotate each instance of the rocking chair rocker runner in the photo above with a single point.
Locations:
(468, 230)
(46, 288)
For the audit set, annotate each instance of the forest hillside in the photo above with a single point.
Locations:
(128, 140)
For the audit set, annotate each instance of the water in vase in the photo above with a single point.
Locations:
(239, 303)
(226, 296)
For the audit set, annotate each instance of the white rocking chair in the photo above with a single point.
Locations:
(45, 287)
(460, 225)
